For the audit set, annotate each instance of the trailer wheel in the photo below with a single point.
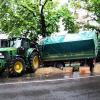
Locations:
(16, 67)
(34, 60)
(59, 65)
(90, 63)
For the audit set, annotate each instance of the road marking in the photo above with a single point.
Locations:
(42, 81)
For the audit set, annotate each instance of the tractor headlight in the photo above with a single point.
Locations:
(1, 55)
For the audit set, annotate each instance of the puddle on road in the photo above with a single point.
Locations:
(57, 76)
(30, 77)
(77, 75)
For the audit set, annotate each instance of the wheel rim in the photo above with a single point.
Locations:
(18, 67)
(36, 62)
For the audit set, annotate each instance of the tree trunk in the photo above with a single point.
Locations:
(42, 19)
(42, 24)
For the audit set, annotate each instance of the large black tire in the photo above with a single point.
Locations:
(34, 61)
(16, 67)
(90, 64)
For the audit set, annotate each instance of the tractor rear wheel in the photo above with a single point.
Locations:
(34, 60)
(17, 67)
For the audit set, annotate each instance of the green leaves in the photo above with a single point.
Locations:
(95, 7)
(19, 16)
(68, 20)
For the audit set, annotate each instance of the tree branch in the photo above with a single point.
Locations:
(43, 5)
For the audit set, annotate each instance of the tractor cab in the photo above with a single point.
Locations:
(19, 42)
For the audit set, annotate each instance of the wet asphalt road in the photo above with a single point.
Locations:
(67, 89)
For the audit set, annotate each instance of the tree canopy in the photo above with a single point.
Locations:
(33, 17)
(95, 7)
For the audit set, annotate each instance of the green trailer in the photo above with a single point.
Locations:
(82, 47)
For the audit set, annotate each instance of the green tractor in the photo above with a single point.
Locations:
(19, 54)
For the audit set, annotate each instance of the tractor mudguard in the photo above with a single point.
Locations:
(30, 50)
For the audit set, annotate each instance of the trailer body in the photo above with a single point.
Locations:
(80, 46)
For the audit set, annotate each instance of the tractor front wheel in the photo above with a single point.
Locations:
(17, 67)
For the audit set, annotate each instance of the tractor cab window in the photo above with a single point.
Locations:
(25, 44)
(15, 43)
(20, 42)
